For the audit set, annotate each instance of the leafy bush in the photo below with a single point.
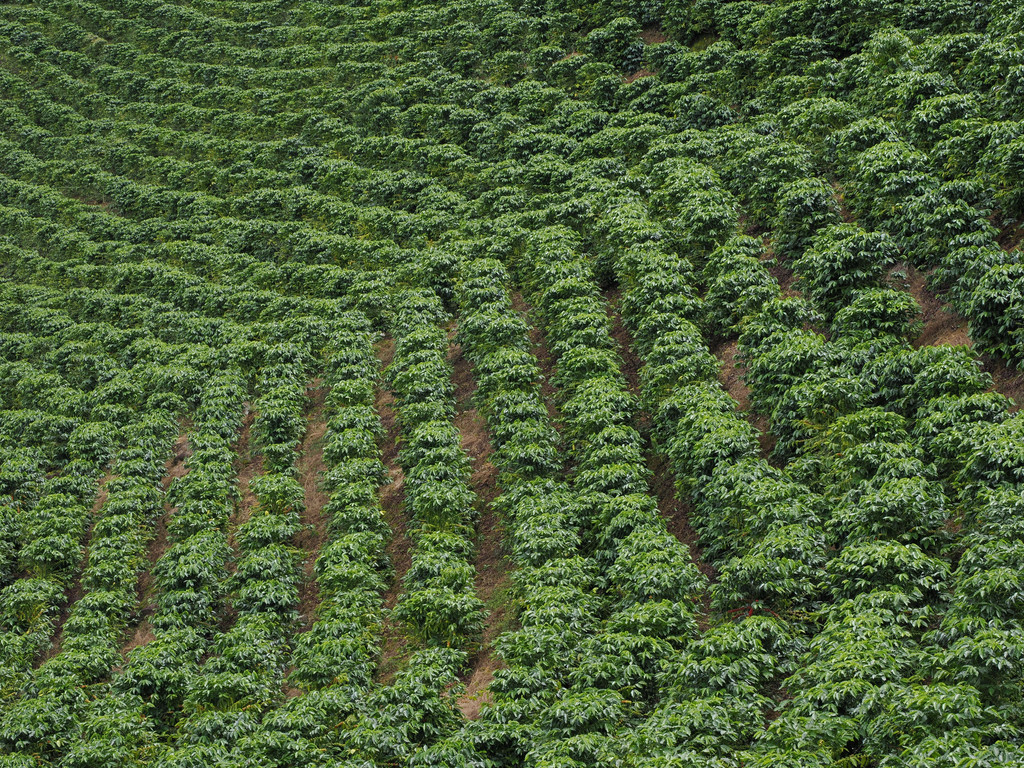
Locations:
(877, 311)
(842, 259)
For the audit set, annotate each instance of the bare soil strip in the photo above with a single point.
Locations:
(394, 643)
(944, 325)
(785, 277)
(941, 323)
(310, 463)
(652, 34)
(630, 361)
(1011, 235)
(250, 466)
(176, 468)
(677, 516)
(675, 512)
(74, 592)
(1008, 381)
(491, 563)
(730, 376)
(544, 360)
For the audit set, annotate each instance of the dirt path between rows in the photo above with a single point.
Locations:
(675, 512)
(74, 592)
(394, 643)
(491, 563)
(544, 360)
(176, 468)
(941, 324)
(310, 464)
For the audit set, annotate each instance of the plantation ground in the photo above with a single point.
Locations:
(511, 384)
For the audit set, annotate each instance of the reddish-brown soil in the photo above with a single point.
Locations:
(491, 564)
(779, 268)
(394, 651)
(176, 468)
(1011, 236)
(394, 643)
(473, 434)
(477, 693)
(754, 228)
(785, 277)
(544, 359)
(176, 464)
(675, 512)
(639, 74)
(941, 324)
(142, 635)
(310, 464)
(844, 210)
(730, 376)
(1007, 381)
(250, 465)
(630, 361)
(652, 34)
(74, 593)
(392, 495)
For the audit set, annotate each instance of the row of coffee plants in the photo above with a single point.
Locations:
(52, 457)
(171, 290)
(333, 662)
(641, 580)
(188, 582)
(115, 424)
(304, 244)
(119, 546)
(921, 217)
(892, 305)
(173, 333)
(54, 699)
(646, 233)
(716, 691)
(915, 128)
(650, 582)
(115, 149)
(438, 609)
(555, 580)
(794, 553)
(190, 286)
(45, 540)
(439, 605)
(243, 670)
(134, 420)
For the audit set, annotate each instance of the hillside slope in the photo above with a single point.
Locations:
(495, 383)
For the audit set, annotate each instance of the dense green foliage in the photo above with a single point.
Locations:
(211, 211)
